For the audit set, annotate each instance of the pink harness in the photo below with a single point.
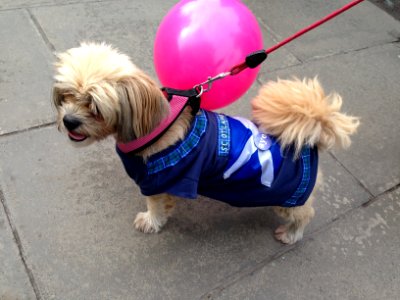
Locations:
(178, 100)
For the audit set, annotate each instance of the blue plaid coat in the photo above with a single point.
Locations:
(227, 159)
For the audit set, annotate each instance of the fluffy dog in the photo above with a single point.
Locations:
(98, 92)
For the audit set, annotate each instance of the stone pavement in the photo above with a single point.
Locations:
(66, 214)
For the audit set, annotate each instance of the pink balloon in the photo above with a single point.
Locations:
(202, 38)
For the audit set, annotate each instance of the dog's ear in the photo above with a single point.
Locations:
(124, 127)
(142, 106)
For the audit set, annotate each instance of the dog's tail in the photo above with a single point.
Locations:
(299, 113)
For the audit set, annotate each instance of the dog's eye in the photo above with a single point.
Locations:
(66, 97)
(58, 98)
(93, 108)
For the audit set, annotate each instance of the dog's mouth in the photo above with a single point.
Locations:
(76, 137)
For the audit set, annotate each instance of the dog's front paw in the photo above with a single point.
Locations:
(146, 223)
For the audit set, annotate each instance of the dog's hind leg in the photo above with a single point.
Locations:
(296, 218)
(159, 208)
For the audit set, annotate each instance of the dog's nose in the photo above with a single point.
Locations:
(71, 122)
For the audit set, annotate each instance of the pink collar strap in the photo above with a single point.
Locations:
(177, 104)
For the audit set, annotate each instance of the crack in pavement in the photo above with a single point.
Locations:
(18, 242)
(41, 31)
(43, 125)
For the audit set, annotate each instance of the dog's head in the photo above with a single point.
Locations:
(99, 92)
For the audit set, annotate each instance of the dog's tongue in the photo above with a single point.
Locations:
(76, 136)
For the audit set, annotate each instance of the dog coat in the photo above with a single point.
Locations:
(227, 159)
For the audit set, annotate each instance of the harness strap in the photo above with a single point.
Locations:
(178, 100)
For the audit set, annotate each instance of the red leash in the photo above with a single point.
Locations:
(238, 68)
(312, 26)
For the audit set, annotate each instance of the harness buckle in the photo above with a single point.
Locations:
(192, 95)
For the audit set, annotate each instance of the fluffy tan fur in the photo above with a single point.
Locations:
(101, 88)
(105, 90)
(299, 113)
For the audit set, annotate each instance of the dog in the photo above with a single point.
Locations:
(269, 161)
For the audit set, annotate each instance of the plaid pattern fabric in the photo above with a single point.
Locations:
(194, 166)
(224, 136)
(183, 149)
(302, 188)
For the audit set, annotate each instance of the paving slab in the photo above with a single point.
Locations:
(74, 209)
(129, 25)
(392, 7)
(14, 282)
(357, 258)
(25, 74)
(363, 26)
(281, 59)
(368, 82)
